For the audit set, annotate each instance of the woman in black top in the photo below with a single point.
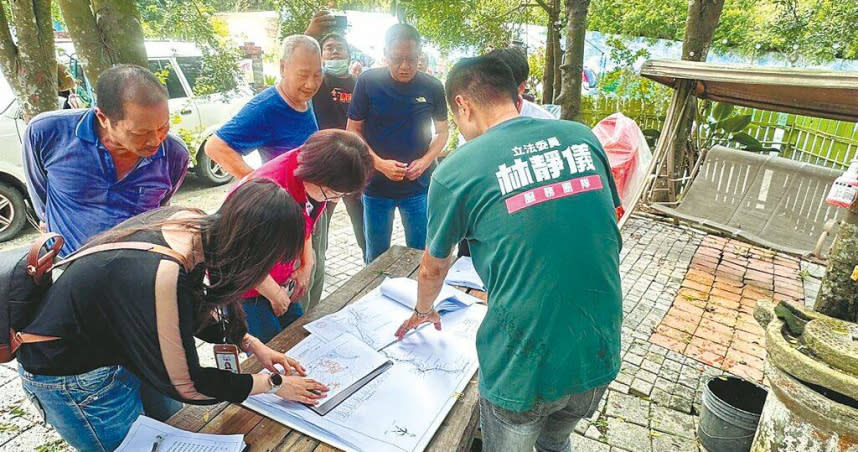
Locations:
(125, 315)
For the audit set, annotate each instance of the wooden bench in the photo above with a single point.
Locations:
(262, 434)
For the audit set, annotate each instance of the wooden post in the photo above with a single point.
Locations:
(703, 16)
(678, 105)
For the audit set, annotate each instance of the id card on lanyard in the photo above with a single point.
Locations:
(226, 355)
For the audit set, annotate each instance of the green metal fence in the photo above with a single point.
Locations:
(822, 142)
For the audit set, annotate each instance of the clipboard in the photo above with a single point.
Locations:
(326, 407)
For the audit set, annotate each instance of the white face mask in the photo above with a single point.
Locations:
(337, 68)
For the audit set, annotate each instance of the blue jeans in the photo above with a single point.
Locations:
(157, 405)
(547, 425)
(261, 321)
(92, 411)
(378, 222)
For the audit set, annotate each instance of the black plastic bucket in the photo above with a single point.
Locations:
(731, 412)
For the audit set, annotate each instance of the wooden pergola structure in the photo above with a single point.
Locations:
(824, 94)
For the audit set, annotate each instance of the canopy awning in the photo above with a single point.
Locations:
(824, 94)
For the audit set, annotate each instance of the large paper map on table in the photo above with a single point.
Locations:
(401, 409)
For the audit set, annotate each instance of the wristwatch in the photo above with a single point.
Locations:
(275, 380)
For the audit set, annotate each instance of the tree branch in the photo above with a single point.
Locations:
(544, 6)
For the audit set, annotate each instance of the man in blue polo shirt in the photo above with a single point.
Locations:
(88, 170)
(394, 109)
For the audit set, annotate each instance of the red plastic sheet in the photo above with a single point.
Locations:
(627, 151)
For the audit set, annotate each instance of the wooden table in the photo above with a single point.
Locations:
(262, 434)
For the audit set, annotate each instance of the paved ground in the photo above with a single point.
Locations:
(687, 301)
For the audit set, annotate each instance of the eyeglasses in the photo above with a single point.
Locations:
(397, 61)
(336, 197)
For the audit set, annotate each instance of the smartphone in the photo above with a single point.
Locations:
(341, 21)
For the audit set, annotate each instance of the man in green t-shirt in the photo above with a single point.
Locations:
(535, 200)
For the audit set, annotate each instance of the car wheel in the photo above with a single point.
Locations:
(13, 212)
(211, 171)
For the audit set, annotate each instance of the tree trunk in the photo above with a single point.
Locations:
(551, 39)
(29, 62)
(558, 62)
(838, 295)
(576, 32)
(703, 17)
(104, 33)
(119, 22)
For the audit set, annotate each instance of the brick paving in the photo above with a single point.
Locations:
(654, 403)
(712, 316)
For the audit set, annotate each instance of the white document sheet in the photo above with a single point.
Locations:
(463, 273)
(373, 320)
(145, 432)
(404, 291)
(337, 364)
(402, 408)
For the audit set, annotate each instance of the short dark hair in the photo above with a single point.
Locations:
(516, 59)
(125, 83)
(400, 32)
(485, 80)
(337, 37)
(335, 159)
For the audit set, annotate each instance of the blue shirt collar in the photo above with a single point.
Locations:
(85, 130)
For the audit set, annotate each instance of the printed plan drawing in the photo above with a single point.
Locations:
(401, 409)
(374, 318)
(338, 363)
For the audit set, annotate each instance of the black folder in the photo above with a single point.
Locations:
(329, 404)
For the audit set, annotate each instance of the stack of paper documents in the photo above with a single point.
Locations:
(401, 408)
(344, 365)
(146, 433)
(463, 273)
(404, 292)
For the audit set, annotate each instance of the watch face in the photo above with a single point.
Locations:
(276, 379)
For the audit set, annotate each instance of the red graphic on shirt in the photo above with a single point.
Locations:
(549, 192)
(341, 97)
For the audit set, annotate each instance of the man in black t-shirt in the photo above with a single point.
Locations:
(331, 105)
(331, 102)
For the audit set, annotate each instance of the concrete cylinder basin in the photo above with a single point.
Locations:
(813, 402)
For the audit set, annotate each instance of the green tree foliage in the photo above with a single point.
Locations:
(822, 29)
(192, 20)
(295, 15)
(449, 24)
(454, 24)
(623, 81)
(666, 20)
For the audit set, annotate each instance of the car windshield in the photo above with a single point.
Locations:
(191, 67)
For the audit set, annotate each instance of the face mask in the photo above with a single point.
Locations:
(337, 67)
